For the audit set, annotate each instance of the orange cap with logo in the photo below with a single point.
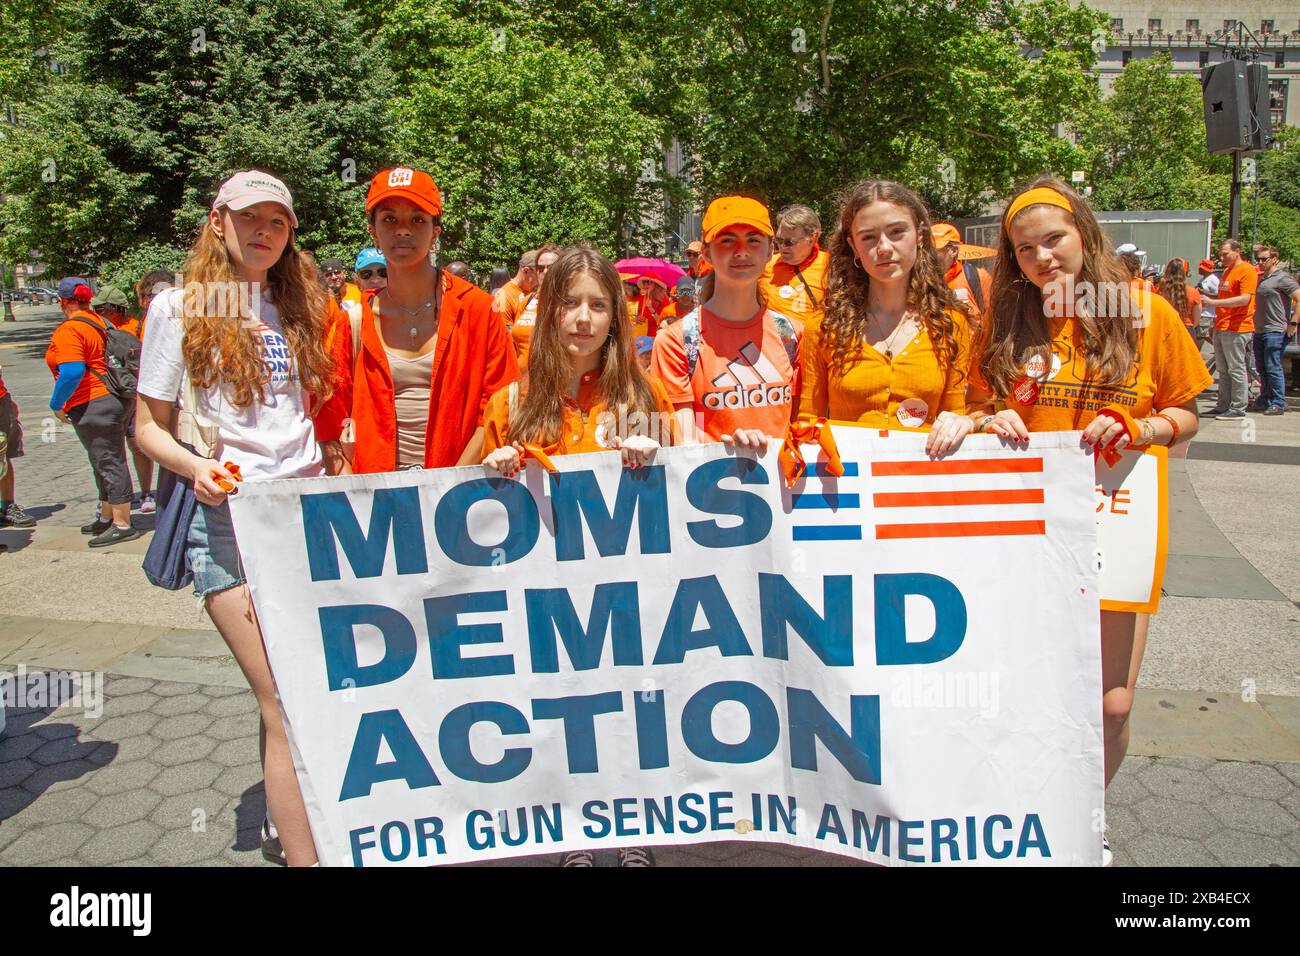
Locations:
(945, 234)
(736, 211)
(407, 183)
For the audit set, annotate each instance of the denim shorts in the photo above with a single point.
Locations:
(213, 551)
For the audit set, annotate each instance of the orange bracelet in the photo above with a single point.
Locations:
(1172, 424)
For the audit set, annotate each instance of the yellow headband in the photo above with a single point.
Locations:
(1039, 195)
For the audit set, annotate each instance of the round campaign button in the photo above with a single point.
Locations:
(913, 412)
(1025, 391)
(1036, 367)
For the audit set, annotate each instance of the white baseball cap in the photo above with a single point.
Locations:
(1129, 247)
(252, 186)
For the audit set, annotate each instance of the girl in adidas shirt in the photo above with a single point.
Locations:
(731, 367)
(257, 363)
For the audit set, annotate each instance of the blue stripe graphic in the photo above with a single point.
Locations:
(832, 502)
(818, 470)
(808, 532)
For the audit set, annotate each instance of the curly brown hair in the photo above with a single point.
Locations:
(1017, 329)
(217, 343)
(1173, 286)
(844, 327)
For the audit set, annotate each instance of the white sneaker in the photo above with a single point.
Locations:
(1107, 858)
(147, 505)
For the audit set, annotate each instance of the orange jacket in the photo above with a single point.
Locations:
(472, 359)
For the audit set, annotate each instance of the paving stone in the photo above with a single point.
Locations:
(1252, 814)
(119, 844)
(236, 781)
(1125, 790)
(176, 752)
(1179, 783)
(241, 727)
(244, 703)
(136, 748)
(177, 813)
(14, 772)
(126, 686)
(1291, 803)
(53, 730)
(188, 776)
(56, 842)
(181, 704)
(1251, 779)
(58, 807)
(1122, 823)
(130, 725)
(133, 704)
(102, 754)
(1185, 763)
(62, 750)
(1160, 849)
(19, 745)
(59, 777)
(236, 753)
(183, 847)
(168, 688)
(13, 800)
(1175, 818)
(185, 725)
(215, 690)
(122, 808)
(1234, 848)
(124, 777)
(1289, 770)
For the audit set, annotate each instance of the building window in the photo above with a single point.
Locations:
(1193, 26)
(1265, 26)
(1125, 57)
(1205, 58)
(1279, 60)
(1153, 26)
(1229, 26)
(1116, 25)
(1277, 90)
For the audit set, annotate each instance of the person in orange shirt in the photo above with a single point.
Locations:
(521, 331)
(697, 266)
(795, 278)
(1067, 346)
(508, 301)
(76, 358)
(110, 303)
(893, 347)
(651, 305)
(1234, 323)
(430, 350)
(584, 390)
(732, 370)
(968, 282)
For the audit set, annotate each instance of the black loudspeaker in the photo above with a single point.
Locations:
(1261, 125)
(1226, 95)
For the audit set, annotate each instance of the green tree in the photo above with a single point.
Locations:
(163, 98)
(125, 271)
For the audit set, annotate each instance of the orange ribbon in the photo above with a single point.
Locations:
(1121, 415)
(808, 432)
(543, 459)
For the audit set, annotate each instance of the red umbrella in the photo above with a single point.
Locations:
(658, 269)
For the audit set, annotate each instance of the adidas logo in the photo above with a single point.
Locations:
(750, 381)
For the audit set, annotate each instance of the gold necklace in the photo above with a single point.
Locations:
(412, 312)
(889, 342)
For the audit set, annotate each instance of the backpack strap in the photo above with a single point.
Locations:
(973, 280)
(691, 339)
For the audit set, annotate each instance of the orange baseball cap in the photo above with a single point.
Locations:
(695, 246)
(408, 183)
(736, 211)
(945, 234)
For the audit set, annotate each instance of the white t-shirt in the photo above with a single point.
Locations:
(1210, 290)
(273, 439)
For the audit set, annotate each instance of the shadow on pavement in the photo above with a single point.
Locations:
(34, 756)
(248, 818)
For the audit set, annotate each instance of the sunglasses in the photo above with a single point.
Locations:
(334, 272)
(371, 273)
(788, 243)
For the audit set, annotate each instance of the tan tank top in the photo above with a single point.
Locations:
(411, 384)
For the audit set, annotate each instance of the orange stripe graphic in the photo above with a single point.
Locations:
(960, 529)
(991, 466)
(928, 499)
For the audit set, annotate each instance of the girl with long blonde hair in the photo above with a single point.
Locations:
(243, 341)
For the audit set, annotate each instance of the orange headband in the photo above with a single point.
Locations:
(1039, 195)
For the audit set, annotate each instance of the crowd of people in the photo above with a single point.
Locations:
(409, 364)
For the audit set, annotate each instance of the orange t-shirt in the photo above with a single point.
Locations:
(798, 298)
(3, 391)
(908, 392)
(1168, 372)
(522, 328)
(1241, 279)
(508, 302)
(74, 341)
(588, 425)
(743, 376)
(960, 285)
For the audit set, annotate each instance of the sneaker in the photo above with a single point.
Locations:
(271, 849)
(14, 517)
(1107, 857)
(636, 856)
(114, 535)
(1230, 416)
(1256, 406)
(578, 858)
(147, 505)
(96, 527)
(1274, 410)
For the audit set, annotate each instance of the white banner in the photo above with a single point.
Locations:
(1132, 529)
(899, 665)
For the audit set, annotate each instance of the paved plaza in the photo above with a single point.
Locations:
(168, 773)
